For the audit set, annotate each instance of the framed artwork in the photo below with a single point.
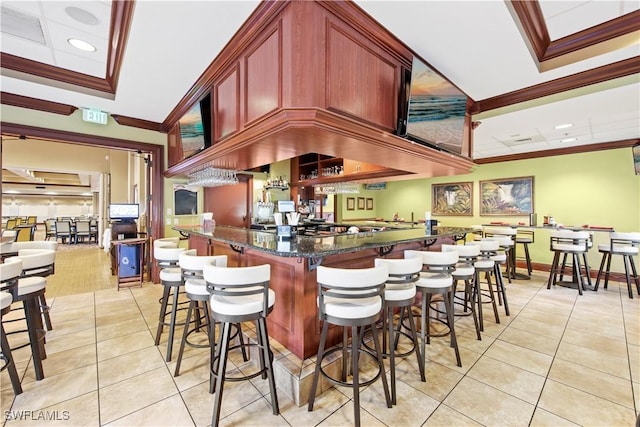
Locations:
(454, 199)
(351, 204)
(360, 203)
(508, 196)
(369, 203)
(185, 200)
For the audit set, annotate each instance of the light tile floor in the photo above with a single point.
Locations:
(559, 359)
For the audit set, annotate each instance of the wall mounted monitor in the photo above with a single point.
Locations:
(195, 128)
(436, 110)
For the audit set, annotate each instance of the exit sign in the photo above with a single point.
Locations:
(94, 116)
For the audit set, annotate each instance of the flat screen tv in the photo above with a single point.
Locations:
(127, 212)
(436, 110)
(636, 158)
(195, 128)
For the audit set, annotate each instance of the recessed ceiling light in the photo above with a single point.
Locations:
(51, 193)
(82, 45)
(568, 139)
(563, 126)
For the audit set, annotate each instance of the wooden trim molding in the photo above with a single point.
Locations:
(36, 104)
(625, 143)
(616, 70)
(534, 28)
(138, 123)
(121, 16)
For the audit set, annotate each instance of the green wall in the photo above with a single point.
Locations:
(596, 188)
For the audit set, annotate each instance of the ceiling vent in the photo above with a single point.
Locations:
(523, 140)
(22, 25)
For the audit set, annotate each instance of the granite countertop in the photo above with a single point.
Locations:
(317, 246)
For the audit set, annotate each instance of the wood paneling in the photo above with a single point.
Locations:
(231, 204)
(360, 81)
(263, 76)
(37, 104)
(226, 111)
(174, 145)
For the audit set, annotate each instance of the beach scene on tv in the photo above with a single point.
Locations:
(191, 132)
(436, 109)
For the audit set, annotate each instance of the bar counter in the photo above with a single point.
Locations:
(294, 321)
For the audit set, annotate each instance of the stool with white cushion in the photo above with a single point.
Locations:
(569, 243)
(350, 298)
(435, 279)
(195, 288)
(465, 271)
(486, 265)
(240, 294)
(9, 286)
(167, 258)
(525, 238)
(626, 245)
(29, 291)
(40, 263)
(399, 293)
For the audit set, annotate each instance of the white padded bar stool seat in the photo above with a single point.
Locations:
(171, 274)
(254, 302)
(168, 242)
(29, 285)
(625, 245)
(240, 305)
(341, 293)
(5, 300)
(196, 287)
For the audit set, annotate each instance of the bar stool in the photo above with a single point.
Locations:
(508, 246)
(487, 265)
(196, 291)
(240, 294)
(9, 282)
(575, 244)
(350, 298)
(465, 271)
(29, 291)
(436, 279)
(399, 293)
(39, 263)
(500, 258)
(167, 259)
(525, 238)
(625, 245)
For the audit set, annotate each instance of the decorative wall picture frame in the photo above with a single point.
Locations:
(351, 204)
(185, 200)
(360, 203)
(369, 203)
(507, 196)
(452, 199)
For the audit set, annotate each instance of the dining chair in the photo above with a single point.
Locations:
(63, 231)
(83, 231)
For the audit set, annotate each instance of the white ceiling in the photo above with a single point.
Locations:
(475, 44)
